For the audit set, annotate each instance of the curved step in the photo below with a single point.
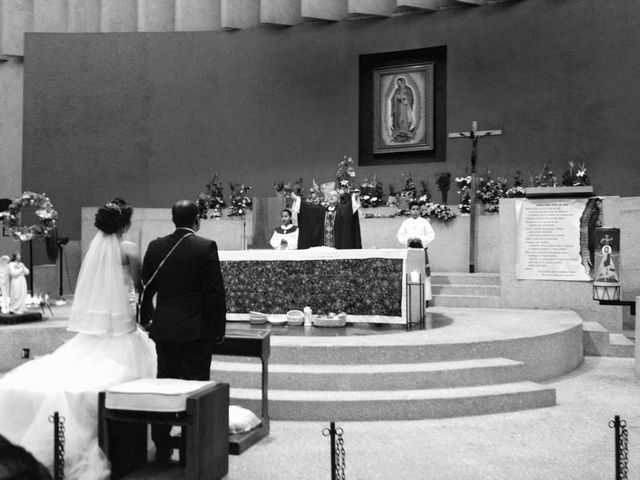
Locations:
(465, 289)
(428, 375)
(449, 278)
(479, 301)
(549, 343)
(328, 405)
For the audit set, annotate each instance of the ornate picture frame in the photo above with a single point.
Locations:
(403, 108)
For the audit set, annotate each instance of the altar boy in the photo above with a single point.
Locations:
(285, 237)
(416, 232)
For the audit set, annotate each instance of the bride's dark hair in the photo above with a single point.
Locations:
(114, 216)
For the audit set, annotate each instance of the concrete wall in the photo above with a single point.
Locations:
(630, 255)
(150, 116)
(11, 73)
(449, 252)
(577, 296)
(147, 224)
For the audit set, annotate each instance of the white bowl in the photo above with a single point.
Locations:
(257, 318)
(295, 317)
(336, 322)
(273, 320)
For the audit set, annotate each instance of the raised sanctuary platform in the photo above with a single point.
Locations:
(473, 361)
(476, 361)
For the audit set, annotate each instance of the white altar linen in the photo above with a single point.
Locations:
(316, 253)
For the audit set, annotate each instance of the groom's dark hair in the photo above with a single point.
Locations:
(184, 213)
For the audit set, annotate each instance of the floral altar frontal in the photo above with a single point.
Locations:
(358, 282)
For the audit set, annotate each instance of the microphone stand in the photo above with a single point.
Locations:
(244, 231)
(60, 257)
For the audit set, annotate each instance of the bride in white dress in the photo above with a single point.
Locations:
(108, 349)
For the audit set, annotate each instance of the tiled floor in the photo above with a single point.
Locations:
(569, 441)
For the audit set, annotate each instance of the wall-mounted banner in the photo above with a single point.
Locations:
(549, 239)
(606, 273)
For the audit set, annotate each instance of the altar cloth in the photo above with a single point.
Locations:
(358, 282)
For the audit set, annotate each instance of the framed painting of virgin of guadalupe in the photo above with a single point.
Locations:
(403, 108)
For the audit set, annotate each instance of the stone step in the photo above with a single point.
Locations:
(406, 376)
(553, 341)
(620, 346)
(595, 339)
(330, 405)
(598, 342)
(466, 289)
(477, 301)
(456, 278)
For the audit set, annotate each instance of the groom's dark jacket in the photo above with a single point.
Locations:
(190, 302)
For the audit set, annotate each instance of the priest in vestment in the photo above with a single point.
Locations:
(336, 225)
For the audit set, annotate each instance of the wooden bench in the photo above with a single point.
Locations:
(204, 451)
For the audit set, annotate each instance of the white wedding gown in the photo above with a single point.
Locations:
(109, 349)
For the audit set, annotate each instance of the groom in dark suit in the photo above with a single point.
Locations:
(190, 309)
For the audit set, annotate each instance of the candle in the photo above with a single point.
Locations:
(415, 277)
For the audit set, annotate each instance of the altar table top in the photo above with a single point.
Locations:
(315, 253)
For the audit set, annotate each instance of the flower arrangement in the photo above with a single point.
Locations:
(44, 210)
(239, 201)
(489, 191)
(392, 199)
(464, 184)
(407, 194)
(544, 178)
(518, 187)
(212, 198)
(285, 190)
(316, 197)
(575, 175)
(424, 195)
(371, 193)
(409, 189)
(437, 211)
(345, 175)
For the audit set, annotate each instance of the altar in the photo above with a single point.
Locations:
(358, 282)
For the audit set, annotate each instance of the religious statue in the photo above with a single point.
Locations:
(18, 286)
(607, 271)
(336, 225)
(4, 284)
(402, 118)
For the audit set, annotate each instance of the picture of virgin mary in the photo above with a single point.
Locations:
(402, 118)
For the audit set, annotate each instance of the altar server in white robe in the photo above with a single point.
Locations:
(416, 232)
(285, 237)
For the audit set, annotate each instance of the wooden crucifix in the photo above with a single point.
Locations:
(473, 135)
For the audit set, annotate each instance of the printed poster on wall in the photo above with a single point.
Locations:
(549, 246)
